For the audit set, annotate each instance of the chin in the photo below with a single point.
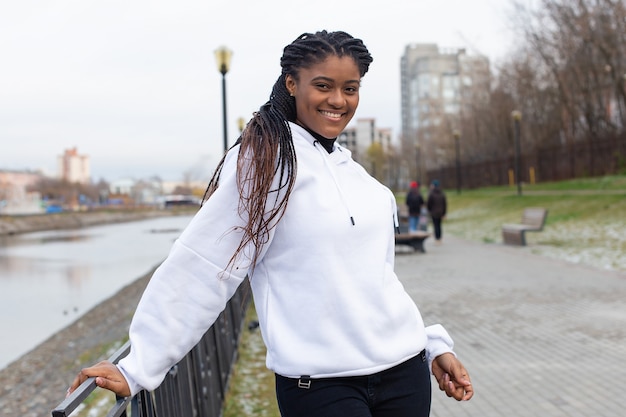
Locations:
(333, 132)
(331, 135)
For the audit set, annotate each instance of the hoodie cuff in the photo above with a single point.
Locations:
(439, 342)
(134, 387)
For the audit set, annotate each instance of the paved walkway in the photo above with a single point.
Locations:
(540, 337)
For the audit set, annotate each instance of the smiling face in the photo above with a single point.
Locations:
(327, 95)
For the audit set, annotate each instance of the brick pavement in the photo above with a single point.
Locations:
(540, 337)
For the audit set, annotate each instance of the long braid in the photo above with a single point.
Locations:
(266, 145)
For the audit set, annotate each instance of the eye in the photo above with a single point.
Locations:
(322, 86)
(352, 89)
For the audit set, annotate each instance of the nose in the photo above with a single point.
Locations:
(336, 98)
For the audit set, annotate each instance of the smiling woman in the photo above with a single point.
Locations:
(326, 95)
(291, 210)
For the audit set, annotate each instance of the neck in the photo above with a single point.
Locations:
(325, 142)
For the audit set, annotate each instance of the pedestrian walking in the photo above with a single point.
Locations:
(291, 210)
(414, 202)
(437, 206)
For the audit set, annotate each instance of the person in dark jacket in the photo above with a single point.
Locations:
(414, 202)
(437, 206)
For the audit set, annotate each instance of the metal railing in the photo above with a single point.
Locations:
(195, 386)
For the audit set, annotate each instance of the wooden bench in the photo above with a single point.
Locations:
(533, 220)
(413, 239)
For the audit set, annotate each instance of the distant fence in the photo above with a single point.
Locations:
(196, 386)
(583, 159)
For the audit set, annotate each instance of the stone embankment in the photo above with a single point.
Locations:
(10, 225)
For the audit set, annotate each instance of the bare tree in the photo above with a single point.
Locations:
(580, 50)
(65, 192)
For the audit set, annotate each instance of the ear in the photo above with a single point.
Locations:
(290, 84)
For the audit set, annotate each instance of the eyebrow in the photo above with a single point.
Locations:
(323, 78)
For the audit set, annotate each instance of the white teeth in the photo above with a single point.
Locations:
(331, 115)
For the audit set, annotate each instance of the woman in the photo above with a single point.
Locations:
(315, 233)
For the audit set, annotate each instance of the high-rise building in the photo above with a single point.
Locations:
(360, 138)
(73, 167)
(369, 146)
(437, 87)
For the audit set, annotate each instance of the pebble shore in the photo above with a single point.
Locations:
(37, 382)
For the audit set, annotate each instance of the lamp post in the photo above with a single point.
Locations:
(223, 56)
(457, 144)
(417, 163)
(517, 117)
(609, 85)
(623, 142)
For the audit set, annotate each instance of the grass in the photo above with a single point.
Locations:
(251, 391)
(586, 223)
(608, 183)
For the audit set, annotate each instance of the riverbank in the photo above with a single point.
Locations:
(36, 382)
(10, 225)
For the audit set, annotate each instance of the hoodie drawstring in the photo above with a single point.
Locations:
(332, 174)
(394, 206)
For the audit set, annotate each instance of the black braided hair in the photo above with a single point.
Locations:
(267, 137)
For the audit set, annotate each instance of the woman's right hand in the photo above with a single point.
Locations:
(452, 377)
(108, 376)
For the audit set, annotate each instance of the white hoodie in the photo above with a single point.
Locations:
(328, 300)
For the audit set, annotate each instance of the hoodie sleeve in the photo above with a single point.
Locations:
(438, 343)
(190, 288)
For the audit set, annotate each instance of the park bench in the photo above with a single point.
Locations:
(413, 239)
(533, 220)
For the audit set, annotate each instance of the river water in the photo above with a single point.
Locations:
(49, 279)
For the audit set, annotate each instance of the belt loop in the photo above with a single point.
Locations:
(304, 382)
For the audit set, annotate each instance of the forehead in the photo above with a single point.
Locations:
(332, 66)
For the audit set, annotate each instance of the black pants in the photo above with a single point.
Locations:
(402, 391)
(437, 227)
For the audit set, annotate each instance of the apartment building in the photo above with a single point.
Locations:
(438, 86)
(73, 167)
(359, 139)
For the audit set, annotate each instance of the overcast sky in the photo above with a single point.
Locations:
(134, 83)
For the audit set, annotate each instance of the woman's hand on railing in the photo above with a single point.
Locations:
(107, 375)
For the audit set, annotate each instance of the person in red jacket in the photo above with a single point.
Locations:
(414, 202)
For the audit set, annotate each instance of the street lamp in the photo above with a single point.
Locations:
(457, 144)
(223, 56)
(241, 124)
(517, 117)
